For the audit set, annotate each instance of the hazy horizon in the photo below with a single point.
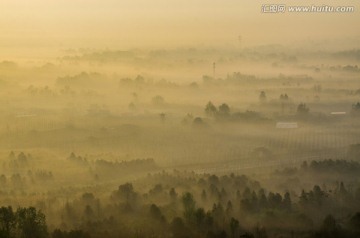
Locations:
(43, 28)
(179, 119)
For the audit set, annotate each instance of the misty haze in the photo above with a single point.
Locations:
(173, 119)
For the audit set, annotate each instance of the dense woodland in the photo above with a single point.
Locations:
(186, 204)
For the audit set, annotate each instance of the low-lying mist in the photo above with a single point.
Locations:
(185, 142)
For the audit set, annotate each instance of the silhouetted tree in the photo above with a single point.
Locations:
(12, 155)
(162, 117)
(287, 201)
(274, 200)
(132, 106)
(354, 223)
(173, 194)
(355, 109)
(262, 96)
(126, 194)
(31, 223)
(155, 213)
(189, 205)
(284, 97)
(199, 216)
(260, 232)
(178, 228)
(210, 109)
(218, 213)
(7, 222)
(234, 226)
(224, 110)
(158, 100)
(330, 228)
(203, 196)
(229, 208)
(198, 122)
(187, 119)
(302, 109)
(157, 189)
(88, 212)
(262, 199)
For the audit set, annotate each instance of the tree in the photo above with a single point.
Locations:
(218, 213)
(24, 223)
(162, 117)
(155, 213)
(330, 228)
(189, 205)
(318, 195)
(210, 109)
(126, 194)
(88, 212)
(302, 109)
(126, 191)
(139, 79)
(260, 232)
(70, 213)
(354, 223)
(157, 189)
(12, 155)
(356, 109)
(246, 205)
(178, 228)
(284, 97)
(229, 207)
(304, 165)
(234, 226)
(199, 216)
(224, 110)
(22, 157)
(262, 199)
(262, 96)
(198, 122)
(287, 201)
(88, 197)
(158, 100)
(203, 195)
(173, 194)
(132, 106)
(342, 189)
(187, 119)
(16, 180)
(274, 200)
(7, 222)
(31, 223)
(213, 179)
(303, 200)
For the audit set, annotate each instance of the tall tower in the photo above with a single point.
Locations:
(214, 70)
(240, 41)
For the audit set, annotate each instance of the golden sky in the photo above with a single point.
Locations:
(141, 23)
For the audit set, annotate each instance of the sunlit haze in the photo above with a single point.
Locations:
(55, 24)
(179, 119)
